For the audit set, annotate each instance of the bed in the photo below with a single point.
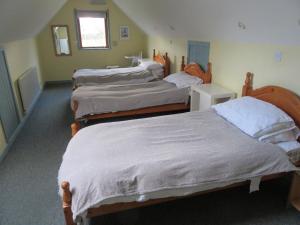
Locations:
(153, 170)
(148, 70)
(168, 95)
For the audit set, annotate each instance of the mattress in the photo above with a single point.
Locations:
(162, 157)
(292, 149)
(114, 98)
(128, 75)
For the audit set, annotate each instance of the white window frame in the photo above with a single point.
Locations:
(93, 13)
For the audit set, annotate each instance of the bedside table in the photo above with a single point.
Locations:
(294, 196)
(205, 95)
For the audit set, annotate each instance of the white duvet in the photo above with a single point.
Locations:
(115, 98)
(129, 75)
(161, 157)
(107, 72)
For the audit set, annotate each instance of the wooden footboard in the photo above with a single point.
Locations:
(177, 107)
(75, 127)
(119, 207)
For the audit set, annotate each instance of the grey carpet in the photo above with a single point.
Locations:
(28, 187)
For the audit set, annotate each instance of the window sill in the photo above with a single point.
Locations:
(95, 48)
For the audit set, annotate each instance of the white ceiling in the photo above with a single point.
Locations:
(25, 18)
(271, 21)
(266, 21)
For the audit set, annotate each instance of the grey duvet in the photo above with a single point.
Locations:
(114, 98)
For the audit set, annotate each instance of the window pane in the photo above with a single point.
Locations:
(93, 33)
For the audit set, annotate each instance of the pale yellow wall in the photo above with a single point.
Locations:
(61, 68)
(231, 61)
(175, 47)
(20, 56)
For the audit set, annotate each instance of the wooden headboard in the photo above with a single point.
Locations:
(205, 76)
(164, 60)
(182, 63)
(283, 98)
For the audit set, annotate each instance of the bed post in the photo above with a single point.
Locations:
(75, 106)
(167, 65)
(74, 81)
(153, 55)
(247, 88)
(182, 66)
(75, 127)
(209, 71)
(74, 86)
(67, 202)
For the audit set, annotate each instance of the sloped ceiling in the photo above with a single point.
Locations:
(271, 21)
(266, 21)
(25, 18)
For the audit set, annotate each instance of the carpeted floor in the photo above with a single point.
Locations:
(28, 186)
(28, 175)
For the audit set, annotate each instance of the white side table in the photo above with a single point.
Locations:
(205, 95)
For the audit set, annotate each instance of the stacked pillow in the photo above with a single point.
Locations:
(155, 68)
(259, 119)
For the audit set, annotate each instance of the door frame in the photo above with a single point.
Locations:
(2, 51)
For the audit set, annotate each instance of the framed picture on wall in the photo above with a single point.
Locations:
(124, 32)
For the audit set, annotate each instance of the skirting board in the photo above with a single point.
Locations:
(19, 128)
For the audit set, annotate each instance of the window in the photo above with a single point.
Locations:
(92, 29)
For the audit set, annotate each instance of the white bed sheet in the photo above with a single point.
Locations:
(162, 157)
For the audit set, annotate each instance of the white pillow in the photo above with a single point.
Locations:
(158, 73)
(254, 117)
(183, 80)
(150, 64)
(285, 135)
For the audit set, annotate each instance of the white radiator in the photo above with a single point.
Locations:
(29, 88)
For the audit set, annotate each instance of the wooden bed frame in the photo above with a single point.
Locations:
(282, 98)
(177, 107)
(162, 59)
